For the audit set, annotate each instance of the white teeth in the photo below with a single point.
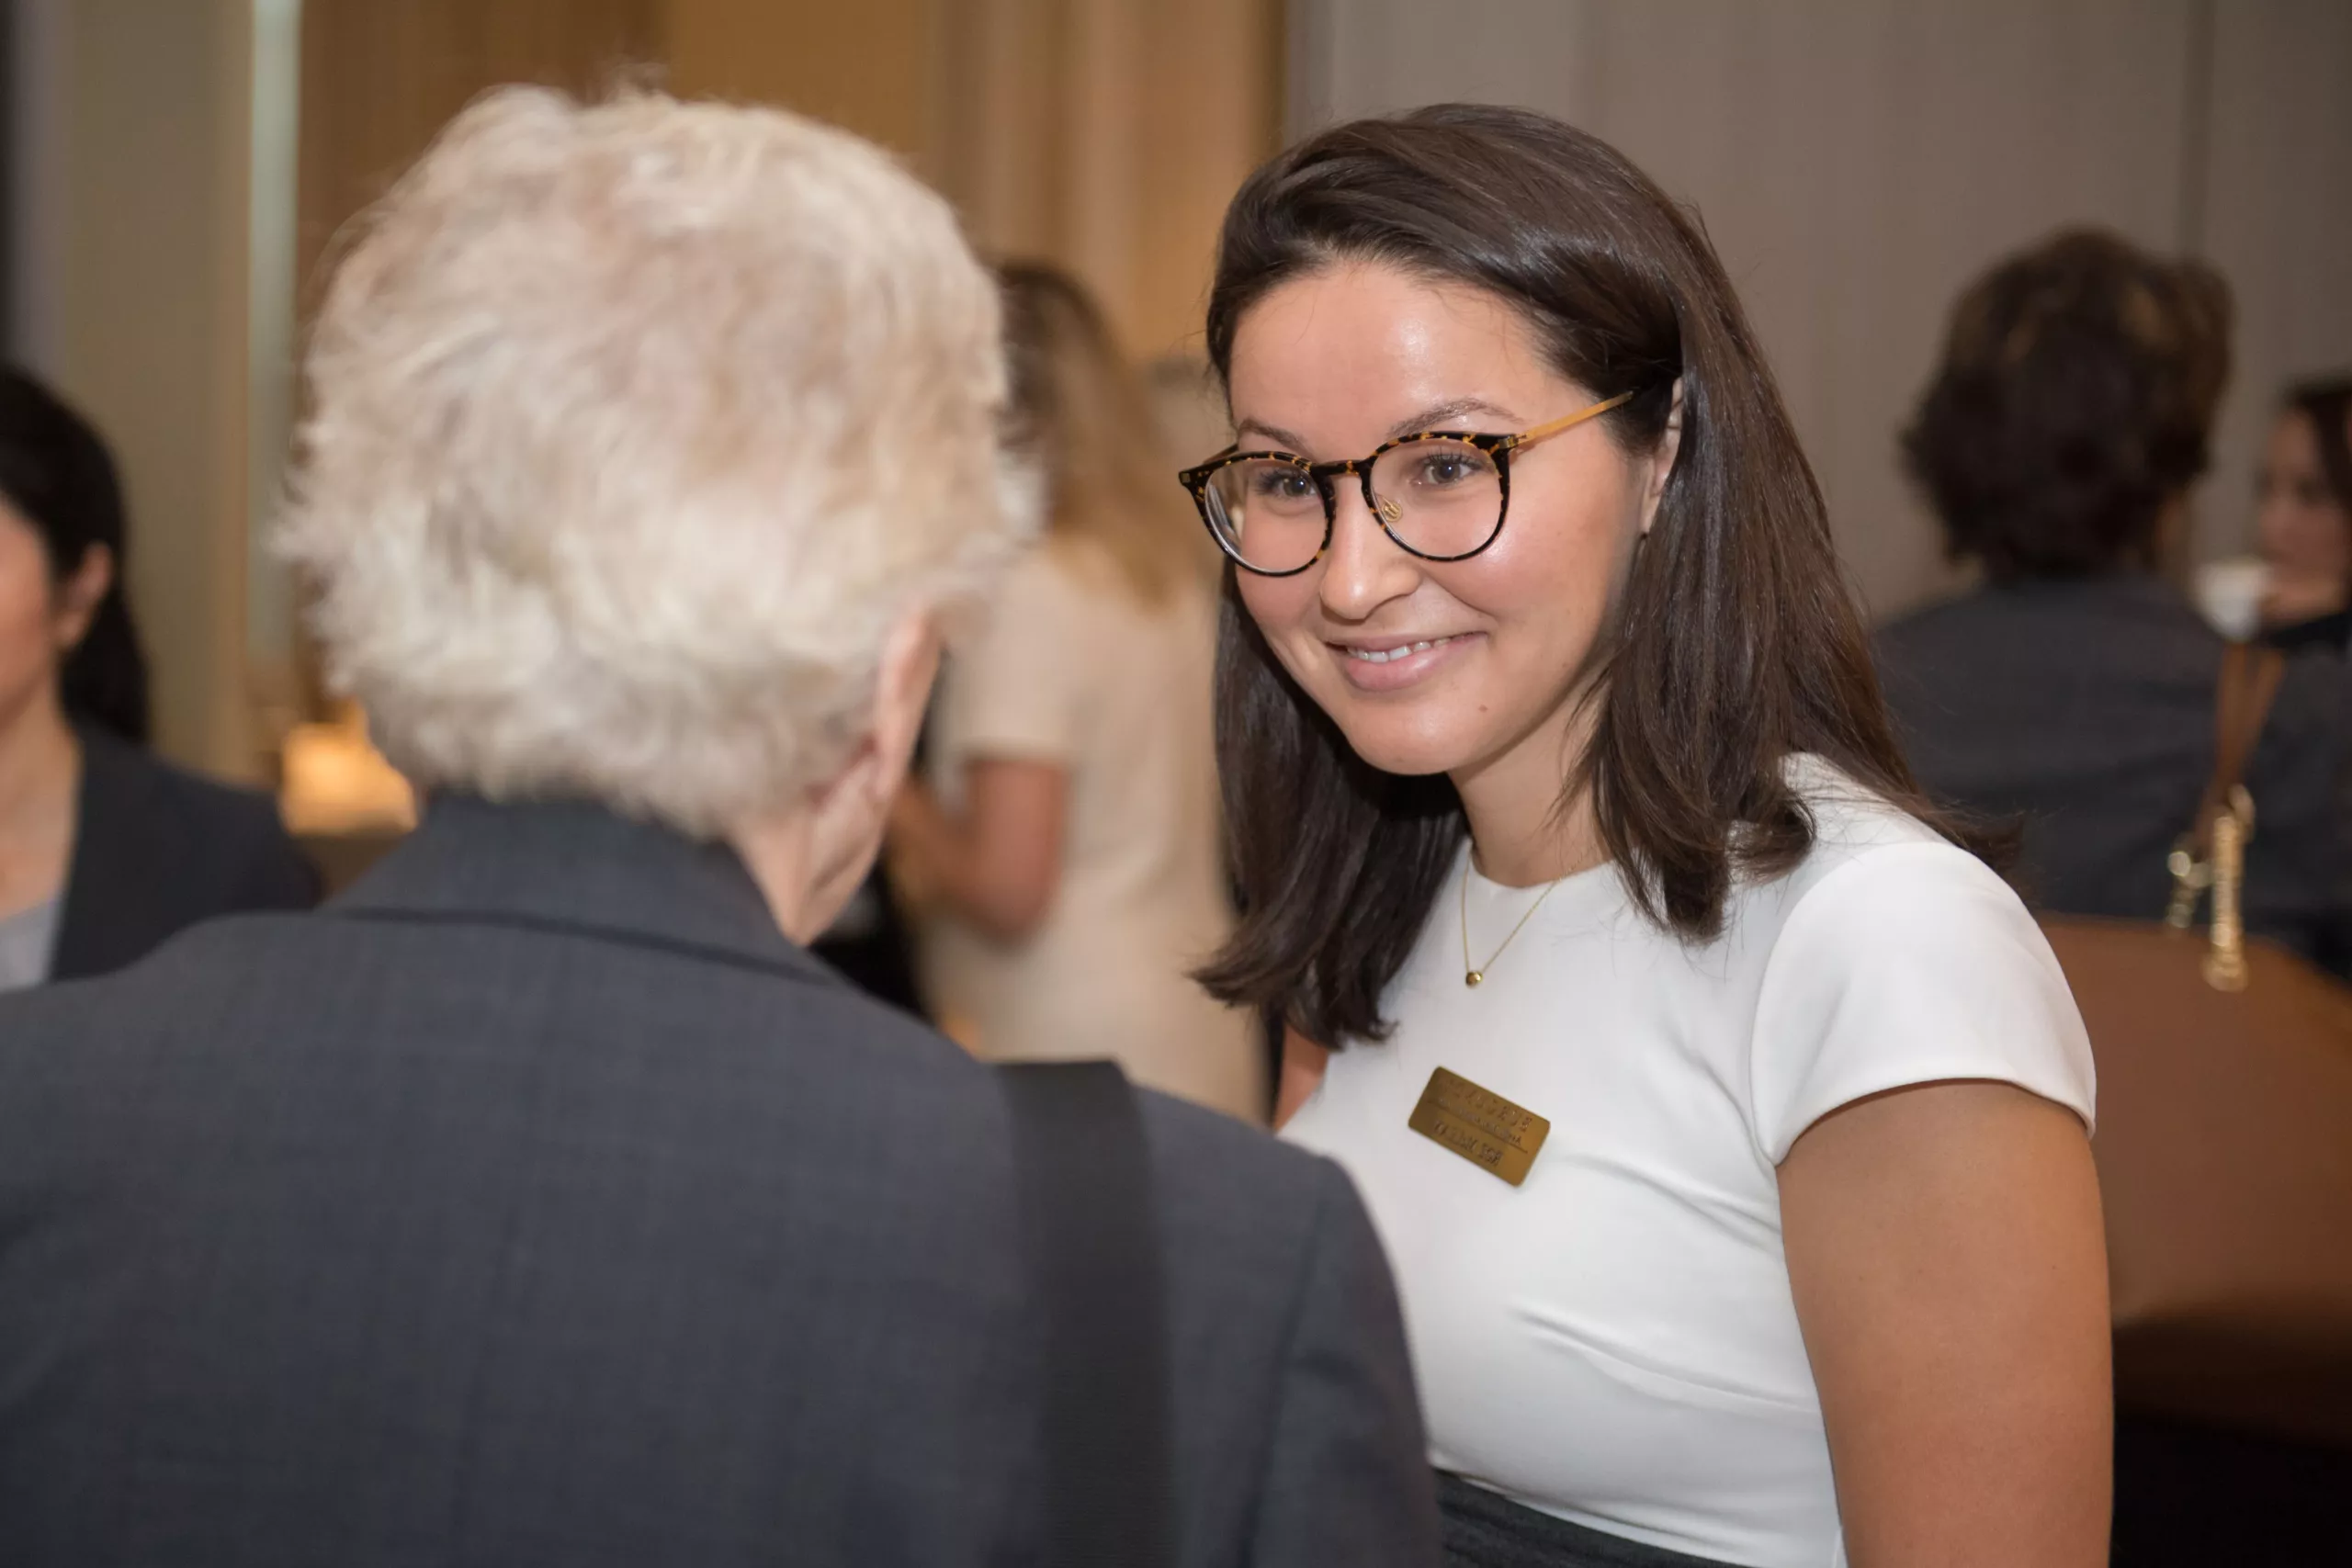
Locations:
(1375, 656)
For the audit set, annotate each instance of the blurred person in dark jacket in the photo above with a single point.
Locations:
(542, 1200)
(2073, 691)
(2306, 518)
(105, 848)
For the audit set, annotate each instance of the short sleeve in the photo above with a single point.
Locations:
(1910, 964)
(1016, 690)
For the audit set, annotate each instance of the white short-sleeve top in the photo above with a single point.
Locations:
(1614, 1341)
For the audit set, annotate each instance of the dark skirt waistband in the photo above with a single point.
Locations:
(1486, 1529)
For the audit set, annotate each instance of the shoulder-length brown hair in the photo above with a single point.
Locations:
(1080, 409)
(1734, 644)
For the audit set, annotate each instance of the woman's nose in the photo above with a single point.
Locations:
(1365, 569)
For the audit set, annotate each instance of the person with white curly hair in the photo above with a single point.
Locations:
(542, 1200)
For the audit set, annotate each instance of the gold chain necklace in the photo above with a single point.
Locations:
(1472, 974)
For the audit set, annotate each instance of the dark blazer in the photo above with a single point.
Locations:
(536, 1202)
(156, 850)
(2086, 710)
(2332, 634)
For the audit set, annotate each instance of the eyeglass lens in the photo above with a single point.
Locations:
(1437, 497)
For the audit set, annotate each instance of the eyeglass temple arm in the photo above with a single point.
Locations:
(1526, 437)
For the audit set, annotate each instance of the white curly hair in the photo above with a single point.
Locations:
(633, 429)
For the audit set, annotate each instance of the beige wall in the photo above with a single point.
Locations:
(1858, 161)
(869, 66)
(2275, 212)
(1107, 135)
(142, 302)
(1104, 135)
(380, 79)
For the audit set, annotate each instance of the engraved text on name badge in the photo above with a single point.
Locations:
(1480, 1125)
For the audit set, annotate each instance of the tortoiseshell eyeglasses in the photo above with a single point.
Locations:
(1440, 494)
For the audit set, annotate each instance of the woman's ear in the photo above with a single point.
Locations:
(1670, 444)
(78, 595)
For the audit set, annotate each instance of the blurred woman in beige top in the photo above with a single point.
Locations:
(1067, 841)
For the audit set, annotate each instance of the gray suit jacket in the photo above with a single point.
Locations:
(2085, 711)
(538, 1204)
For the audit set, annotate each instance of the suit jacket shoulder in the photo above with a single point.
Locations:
(1332, 1461)
(157, 849)
(546, 1167)
(2084, 711)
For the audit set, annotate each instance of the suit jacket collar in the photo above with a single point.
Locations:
(581, 868)
(115, 853)
(123, 892)
(2139, 592)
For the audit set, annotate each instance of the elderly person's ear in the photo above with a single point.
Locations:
(901, 697)
(809, 862)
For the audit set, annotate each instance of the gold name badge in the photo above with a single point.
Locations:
(1480, 1125)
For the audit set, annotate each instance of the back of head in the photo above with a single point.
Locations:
(1080, 413)
(636, 426)
(2073, 406)
(57, 475)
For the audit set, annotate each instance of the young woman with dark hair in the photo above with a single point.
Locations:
(2306, 517)
(59, 481)
(1724, 1119)
(103, 850)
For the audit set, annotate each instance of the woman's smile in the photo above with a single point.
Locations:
(1393, 663)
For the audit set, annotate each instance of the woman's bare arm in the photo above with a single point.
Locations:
(1946, 1249)
(997, 862)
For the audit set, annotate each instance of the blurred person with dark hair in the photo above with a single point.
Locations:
(2073, 691)
(2306, 518)
(1070, 838)
(542, 1200)
(104, 849)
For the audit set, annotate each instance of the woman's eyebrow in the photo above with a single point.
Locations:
(1426, 419)
(1286, 440)
(1437, 414)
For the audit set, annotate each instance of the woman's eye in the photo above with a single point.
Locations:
(1440, 469)
(1281, 484)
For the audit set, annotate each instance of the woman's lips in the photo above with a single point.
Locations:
(1396, 665)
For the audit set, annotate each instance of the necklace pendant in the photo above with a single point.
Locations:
(1475, 979)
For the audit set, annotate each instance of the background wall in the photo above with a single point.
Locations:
(1107, 135)
(1857, 163)
(2271, 204)
(132, 121)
